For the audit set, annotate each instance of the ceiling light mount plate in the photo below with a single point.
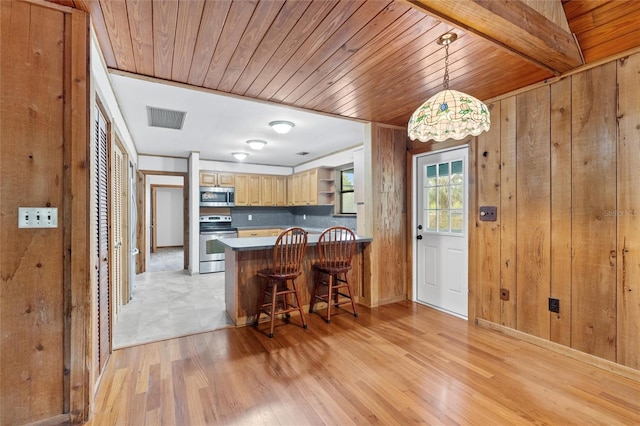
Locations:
(447, 38)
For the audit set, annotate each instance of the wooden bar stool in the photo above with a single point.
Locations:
(288, 252)
(336, 246)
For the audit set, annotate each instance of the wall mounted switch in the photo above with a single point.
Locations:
(37, 217)
(488, 213)
(250, 217)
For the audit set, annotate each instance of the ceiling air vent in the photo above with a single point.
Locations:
(302, 153)
(165, 118)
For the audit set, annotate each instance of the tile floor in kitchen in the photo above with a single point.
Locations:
(169, 303)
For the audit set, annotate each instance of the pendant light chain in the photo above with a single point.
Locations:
(445, 82)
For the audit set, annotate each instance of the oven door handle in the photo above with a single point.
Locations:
(217, 232)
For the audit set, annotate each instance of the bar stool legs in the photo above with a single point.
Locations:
(334, 284)
(336, 246)
(288, 252)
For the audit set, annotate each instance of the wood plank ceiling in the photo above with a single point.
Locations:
(373, 60)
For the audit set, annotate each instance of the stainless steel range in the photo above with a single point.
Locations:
(212, 229)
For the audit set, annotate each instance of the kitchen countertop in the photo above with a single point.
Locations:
(262, 243)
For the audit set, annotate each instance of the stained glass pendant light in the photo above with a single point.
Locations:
(448, 114)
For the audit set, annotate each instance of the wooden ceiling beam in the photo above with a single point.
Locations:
(513, 25)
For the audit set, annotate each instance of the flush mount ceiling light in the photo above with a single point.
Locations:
(256, 144)
(448, 114)
(282, 127)
(240, 155)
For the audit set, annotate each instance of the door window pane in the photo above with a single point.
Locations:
(431, 198)
(443, 197)
(456, 221)
(443, 173)
(456, 172)
(431, 175)
(443, 221)
(431, 220)
(457, 196)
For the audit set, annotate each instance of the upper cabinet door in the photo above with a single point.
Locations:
(226, 180)
(208, 179)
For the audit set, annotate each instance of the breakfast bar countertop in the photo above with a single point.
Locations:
(262, 243)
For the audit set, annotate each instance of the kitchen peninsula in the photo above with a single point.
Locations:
(245, 256)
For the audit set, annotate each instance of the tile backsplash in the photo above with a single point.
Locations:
(262, 216)
(307, 216)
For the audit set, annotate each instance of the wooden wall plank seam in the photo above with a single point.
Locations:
(628, 212)
(508, 210)
(488, 233)
(560, 323)
(533, 211)
(81, 399)
(593, 219)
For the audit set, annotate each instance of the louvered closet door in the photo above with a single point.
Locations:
(102, 241)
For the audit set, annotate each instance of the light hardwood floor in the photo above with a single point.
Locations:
(394, 365)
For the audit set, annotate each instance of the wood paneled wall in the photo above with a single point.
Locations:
(43, 163)
(385, 262)
(561, 162)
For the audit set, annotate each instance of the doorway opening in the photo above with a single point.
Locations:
(167, 302)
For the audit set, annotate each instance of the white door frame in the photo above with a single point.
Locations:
(414, 222)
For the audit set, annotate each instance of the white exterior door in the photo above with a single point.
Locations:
(442, 234)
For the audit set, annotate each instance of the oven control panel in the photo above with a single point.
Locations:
(215, 218)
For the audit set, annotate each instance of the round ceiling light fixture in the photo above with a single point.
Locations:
(240, 155)
(282, 127)
(257, 144)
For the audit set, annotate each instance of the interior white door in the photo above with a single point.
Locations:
(442, 234)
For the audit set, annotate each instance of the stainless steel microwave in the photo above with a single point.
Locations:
(215, 196)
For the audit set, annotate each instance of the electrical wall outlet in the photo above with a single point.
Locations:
(37, 217)
(554, 305)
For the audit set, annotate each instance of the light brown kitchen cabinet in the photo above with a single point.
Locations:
(280, 190)
(290, 194)
(208, 178)
(254, 190)
(297, 190)
(247, 233)
(267, 190)
(313, 187)
(247, 190)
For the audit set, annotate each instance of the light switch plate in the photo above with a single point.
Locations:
(488, 213)
(37, 217)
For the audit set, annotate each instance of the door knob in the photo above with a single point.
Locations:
(419, 237)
